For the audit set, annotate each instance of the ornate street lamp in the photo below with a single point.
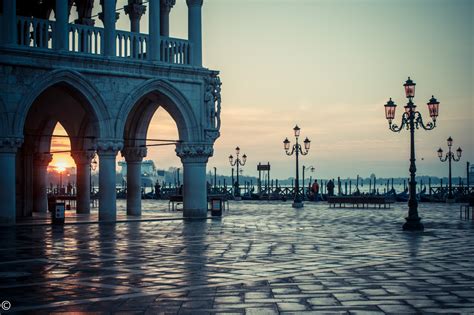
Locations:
(238, 162)
(411, 119)
(450, 156)
(92, 168)
(297, 202)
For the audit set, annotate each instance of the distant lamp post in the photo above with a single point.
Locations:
(411, 119)
(237, 162)
(297, 150)
(92, 168)
(61, 170)
(450, 156)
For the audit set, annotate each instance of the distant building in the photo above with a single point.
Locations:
(149, 174)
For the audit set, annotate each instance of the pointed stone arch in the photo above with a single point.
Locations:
(76, 82)
(137, 110)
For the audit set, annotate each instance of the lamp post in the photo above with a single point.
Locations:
(297, 150)
(237, 162)
(411, 119)
(215, 179)
(92, 167)
(178, 179)
(450, 156)
(60, 170)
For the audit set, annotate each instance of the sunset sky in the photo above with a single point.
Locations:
(330, 66)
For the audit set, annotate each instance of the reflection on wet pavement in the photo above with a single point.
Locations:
(260, 258)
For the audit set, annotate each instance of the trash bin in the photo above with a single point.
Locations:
(216, 207)
(57, 215)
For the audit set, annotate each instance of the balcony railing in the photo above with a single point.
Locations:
(131, 45)
(34, 32)
(174, 50)
(86, 39)
(39, 33)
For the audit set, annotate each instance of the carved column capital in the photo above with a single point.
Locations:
(135, 10)
(109, 146)
(10, 144)
(198, 152)
(194, 2)
(134, 154)
(42, 159)
(83, 157)
(166, 5)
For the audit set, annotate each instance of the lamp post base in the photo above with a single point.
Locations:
(297, 204)
(413, 225)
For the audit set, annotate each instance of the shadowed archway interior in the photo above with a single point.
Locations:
(59, 103)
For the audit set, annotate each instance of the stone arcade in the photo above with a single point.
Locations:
(103, 85)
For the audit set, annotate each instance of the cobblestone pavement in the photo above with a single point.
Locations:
(260, 258)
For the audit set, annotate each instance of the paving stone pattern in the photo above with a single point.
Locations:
(260, 258)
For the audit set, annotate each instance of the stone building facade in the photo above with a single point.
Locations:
(103, 86)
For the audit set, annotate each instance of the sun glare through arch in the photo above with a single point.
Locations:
(61, 160)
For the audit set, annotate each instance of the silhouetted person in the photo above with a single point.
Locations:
(69, 188)
(157, 190)
(315, 190)
(180, 190)
(330, 188)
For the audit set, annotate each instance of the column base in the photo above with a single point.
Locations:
(5, 221)
(195, 213)
(413, 225)
(134, 212)
(297, 204)
(107, 217)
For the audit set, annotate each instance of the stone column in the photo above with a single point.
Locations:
(8, 149)
(107, 151)
(135, 9)
(194, 157)
(83, 172)
(109, 18)
(154, 30)
(165, 9)
(40, 197)
(134, 157)
(61, 35)
(195, 30)
(9, 27)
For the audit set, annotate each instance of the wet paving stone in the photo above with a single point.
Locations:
(260, 258)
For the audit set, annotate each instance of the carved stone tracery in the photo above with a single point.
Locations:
(10, 144)
(134, 154)
(83, 157)
(195, 151)
(212, 100)
(109, 146)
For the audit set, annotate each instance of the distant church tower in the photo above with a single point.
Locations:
(103, 85)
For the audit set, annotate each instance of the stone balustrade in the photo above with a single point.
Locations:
(39, 33)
